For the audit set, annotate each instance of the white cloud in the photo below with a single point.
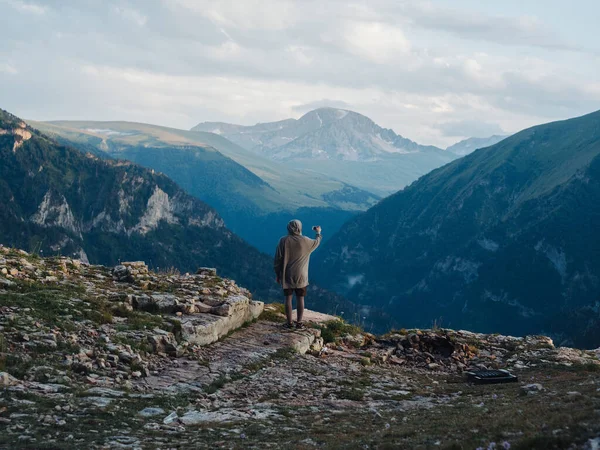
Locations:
(8, 69)
(131, 15)
(469, 24)
(300, 54)
(375, 41)
(407, 65)
(27, 7)
(246, 14)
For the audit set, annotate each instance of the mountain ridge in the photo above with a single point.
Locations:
(469, 145)
(343, 144)
(293, 138)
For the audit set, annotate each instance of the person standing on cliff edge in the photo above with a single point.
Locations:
(291, 267)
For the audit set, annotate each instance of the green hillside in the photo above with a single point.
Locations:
(230, 179)
(503, 240)
(54, 199)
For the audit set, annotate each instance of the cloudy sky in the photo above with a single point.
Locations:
(434, 71)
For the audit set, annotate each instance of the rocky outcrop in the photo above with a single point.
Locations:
(20, 133)
(54, 211)
(91, 360)
(159, 208)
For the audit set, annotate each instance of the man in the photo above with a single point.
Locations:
(291, 267)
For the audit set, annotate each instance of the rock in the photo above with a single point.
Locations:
(164, 343)
(208, 271)
(7, 380)
(122, 273)
(143, 302)
(201, 417)
(170, 418)
(138, 266)
(151, 412)
(356, 340)
(531, 389)
(204, 329)
(166, 303)
(100, 402)
(4, 283)
(316, 346)
(105, 392)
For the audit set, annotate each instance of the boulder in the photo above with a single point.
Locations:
(531, 389)
(164, 343)
(208, 271)
(7, 380)
(122, 274)
(4, 283)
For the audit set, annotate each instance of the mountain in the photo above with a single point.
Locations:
(338, 143)
(232, 179)
(502, 240)
(54, 199)
(325, 133)
(469, 145)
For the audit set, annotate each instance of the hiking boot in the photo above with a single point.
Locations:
(288, 326)
(300, 326)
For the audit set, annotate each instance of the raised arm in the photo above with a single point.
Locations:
(317, 240)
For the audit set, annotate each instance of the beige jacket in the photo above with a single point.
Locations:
(292, 257)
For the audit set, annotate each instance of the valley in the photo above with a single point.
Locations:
(255, 196)
(501, 240)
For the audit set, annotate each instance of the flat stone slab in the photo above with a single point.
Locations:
(315, 317)
(257, 342)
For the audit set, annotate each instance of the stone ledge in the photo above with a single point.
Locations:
(204, 329)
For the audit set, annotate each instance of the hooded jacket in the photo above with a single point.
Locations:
(292, 256)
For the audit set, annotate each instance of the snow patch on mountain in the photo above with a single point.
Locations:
(109, 132)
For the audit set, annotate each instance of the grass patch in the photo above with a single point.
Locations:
(274, 312)
(145, 321)
(215, 385)
(18, 366)
(351, 394)
(332, 330)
